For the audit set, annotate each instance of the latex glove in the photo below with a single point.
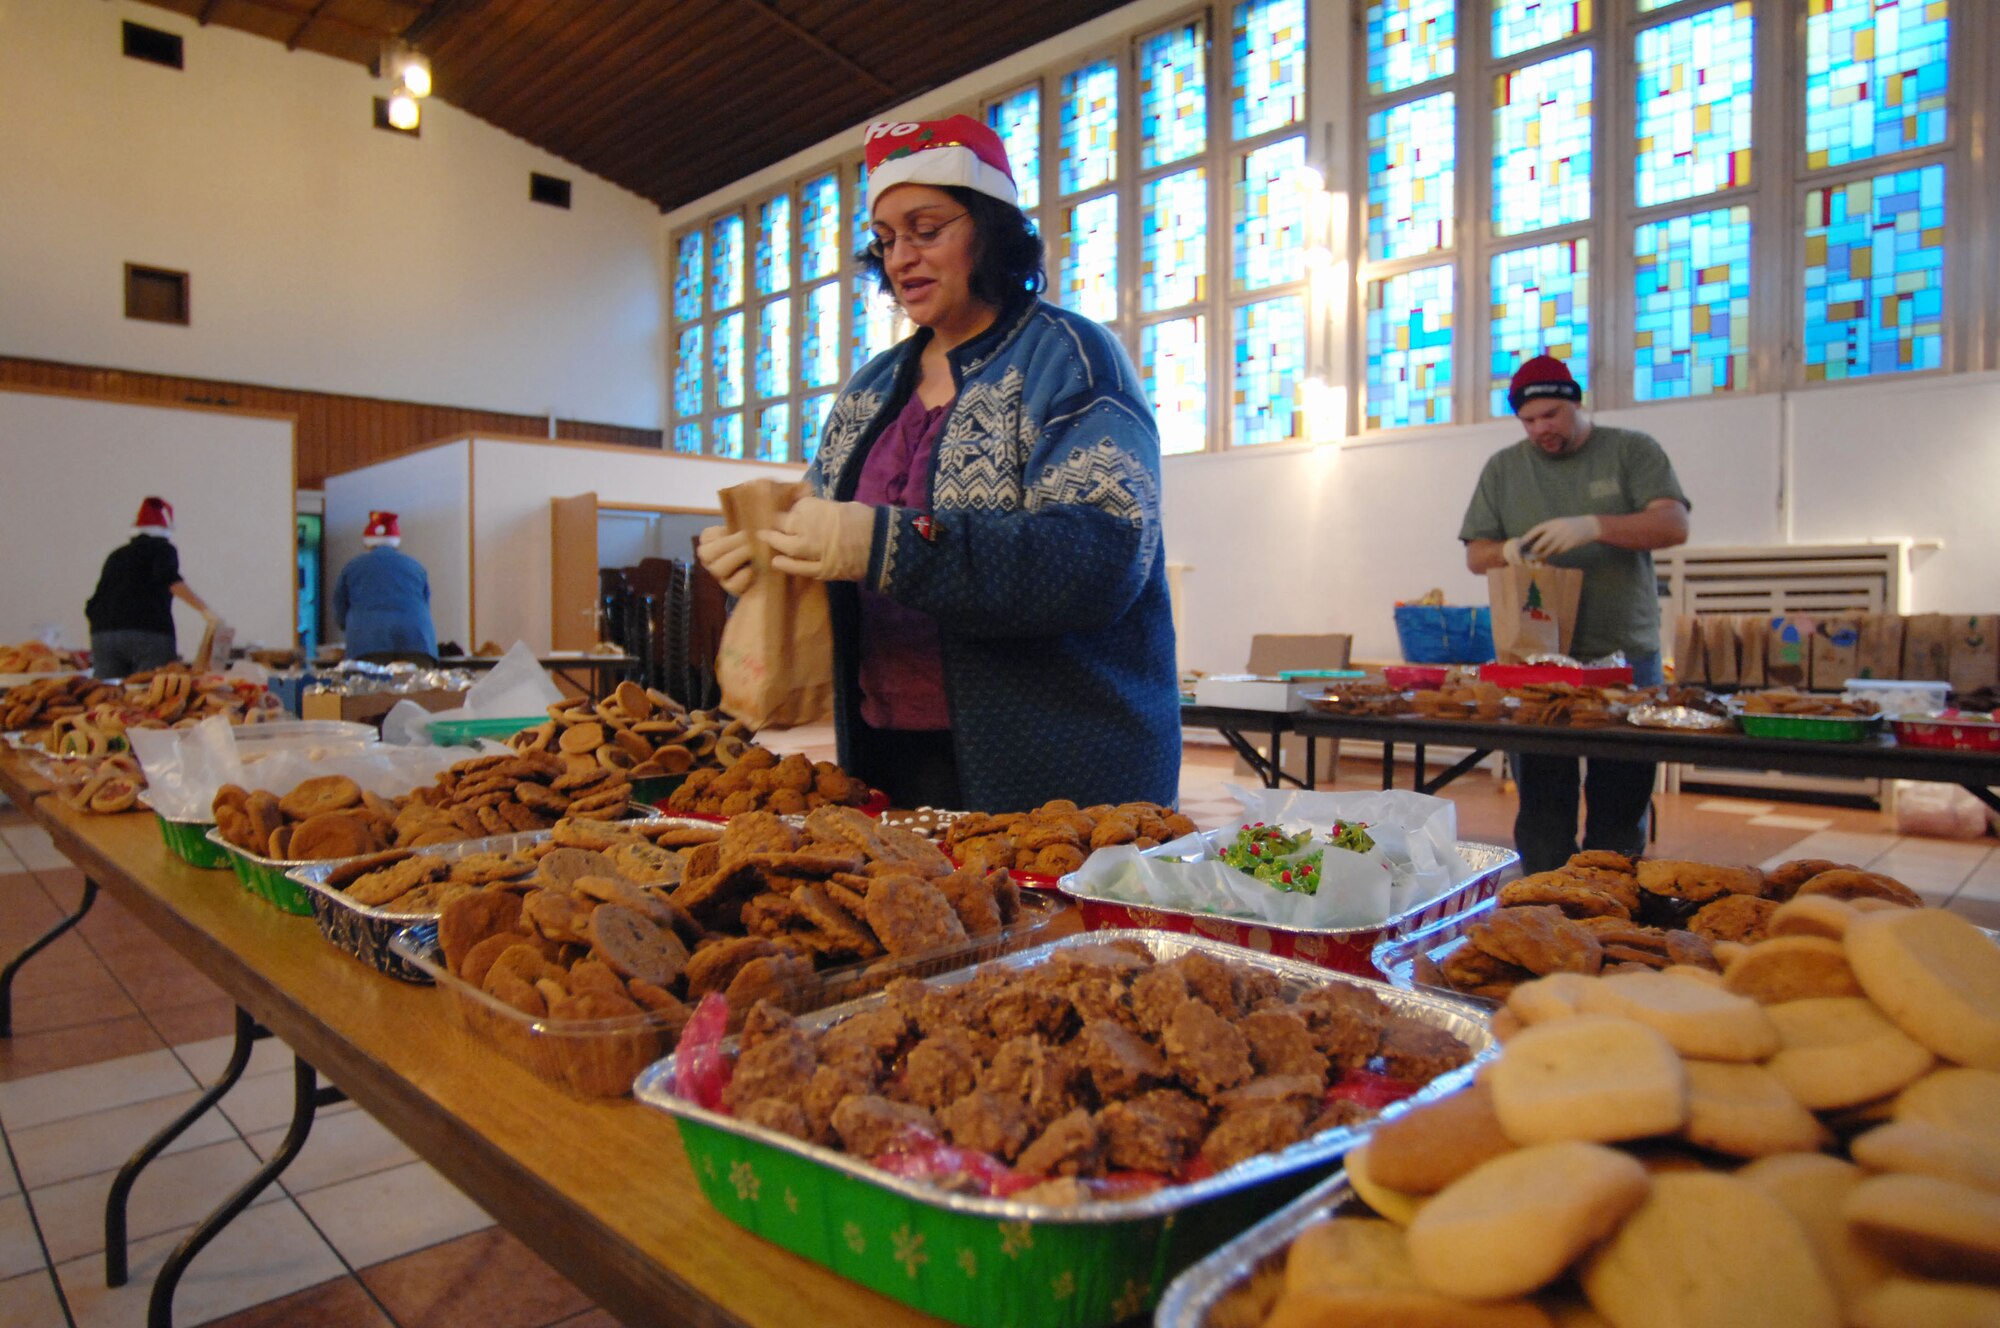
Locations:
(1513, 553)
(1560, 535)
(824, 540)
(726, 555)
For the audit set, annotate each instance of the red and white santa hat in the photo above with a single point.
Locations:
(156, 517)
(382, 529)
(959, 151)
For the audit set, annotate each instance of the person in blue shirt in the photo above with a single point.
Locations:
(383, 599)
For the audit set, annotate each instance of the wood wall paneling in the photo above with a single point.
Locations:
(335, 432)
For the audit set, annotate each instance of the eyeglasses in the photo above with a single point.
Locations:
(926, 234)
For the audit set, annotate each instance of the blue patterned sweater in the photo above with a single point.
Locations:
(1041, 562)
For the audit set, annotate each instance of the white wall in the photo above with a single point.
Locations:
(430, 493)
(324, 253)
(72, 474)
(512, 482)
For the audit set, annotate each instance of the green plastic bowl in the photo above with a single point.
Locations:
(468, 732)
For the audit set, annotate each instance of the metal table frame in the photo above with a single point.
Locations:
(1233, 724)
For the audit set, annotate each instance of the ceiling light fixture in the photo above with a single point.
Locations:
(403, 110)
(415, 74)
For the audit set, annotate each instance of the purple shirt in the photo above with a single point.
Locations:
(902, 668)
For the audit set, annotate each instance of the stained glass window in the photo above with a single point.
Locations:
(1270, 366)
(1691, 335)
(1089, 277)
(1173, 361)
(728, 352)
(687, 372)
(1875, 77)
(819, 338)
(726, 271)
(1267, 81)
(1173, 94)
(819, 227)
(1173, 240)
(1694, 104)
(1409, 349)
(687, 439)
(774, 432)
(1267, 209)
(773, 266)
(1541, 144)
(862, 218)
(1089, 126)
(1520, 25)
(1410, 42)
(774, 349)
(812, 416)
(1018, 121)
(1412, 166)
(874, 321)
(687, 276)
(729, 436)
(1647, 6)
(1541, 306)
(1875, 275)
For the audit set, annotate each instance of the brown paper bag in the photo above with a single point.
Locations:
(775, 665)
(1753, 635)
(217, 641)
(1835, 651)
(1690, 659)
(1788, 651)
(1975, 652)
(1927, 647)
(1880, 654)
(1718, 632)
(1534, 610)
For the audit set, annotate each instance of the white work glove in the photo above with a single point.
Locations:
(1512, 552)
(726, 555)
(1560, 535)
(824, 540)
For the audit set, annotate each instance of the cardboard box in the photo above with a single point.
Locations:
(369, 707)
(1247, 691)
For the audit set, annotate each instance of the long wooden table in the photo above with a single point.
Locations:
(602, 1190)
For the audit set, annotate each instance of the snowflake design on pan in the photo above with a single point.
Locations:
(909, 1249)
(984, 448)
(1131, 1302)
(851, 414)
(1015, 1237)
(1063, 1285)
(791, 1202)
(968, 1263)
(743, 1179)
(851, 1233)
(1103, 475)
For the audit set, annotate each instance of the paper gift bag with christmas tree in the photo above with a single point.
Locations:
(1534, 610)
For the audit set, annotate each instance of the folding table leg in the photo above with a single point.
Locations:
(307, 1097)
(14, 965)
(248, 1031)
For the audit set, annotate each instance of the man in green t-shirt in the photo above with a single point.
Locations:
(1597, 499)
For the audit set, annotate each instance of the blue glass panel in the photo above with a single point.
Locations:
(1409, 328)
(1875, 276)
(1412, 173)
(1691, 281)
(1173, 240)
(1877, 73)
(1173, 94)
(1270, 357)
(1541, 306)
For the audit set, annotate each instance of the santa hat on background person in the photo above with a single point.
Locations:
(382, 529)
(156, 517)
(959, 151)
(1543, 376)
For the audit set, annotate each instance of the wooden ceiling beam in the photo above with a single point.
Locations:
(820, 44)
(499, 83)
(586, 61)
(298, 33)
(661, 92)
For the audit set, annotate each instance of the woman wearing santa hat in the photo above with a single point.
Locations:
(131, 612)
(986, 511)
(383, 598)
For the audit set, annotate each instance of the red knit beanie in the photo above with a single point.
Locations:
(1543, 376)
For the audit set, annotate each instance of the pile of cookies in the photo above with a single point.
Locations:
(1057, 836)
(1564, 705)
(639, 730)
(1474, 700)
(755, 779)
(38, 704)
(34, 657)
(1360, 698)
(102, 787)
(1602, 911)
(1804, 705)
(327, 816)
(1601, 1160)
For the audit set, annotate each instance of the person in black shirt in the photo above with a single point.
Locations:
(132, 613)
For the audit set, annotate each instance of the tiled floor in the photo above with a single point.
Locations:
(115, 1034)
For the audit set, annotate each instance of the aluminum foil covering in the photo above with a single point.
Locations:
(1461, 1018)
(1193, 1296)
(359, 678)
(1677, 717)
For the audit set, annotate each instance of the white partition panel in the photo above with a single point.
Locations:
(74, 471)
(430, 492)
(512, 482)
